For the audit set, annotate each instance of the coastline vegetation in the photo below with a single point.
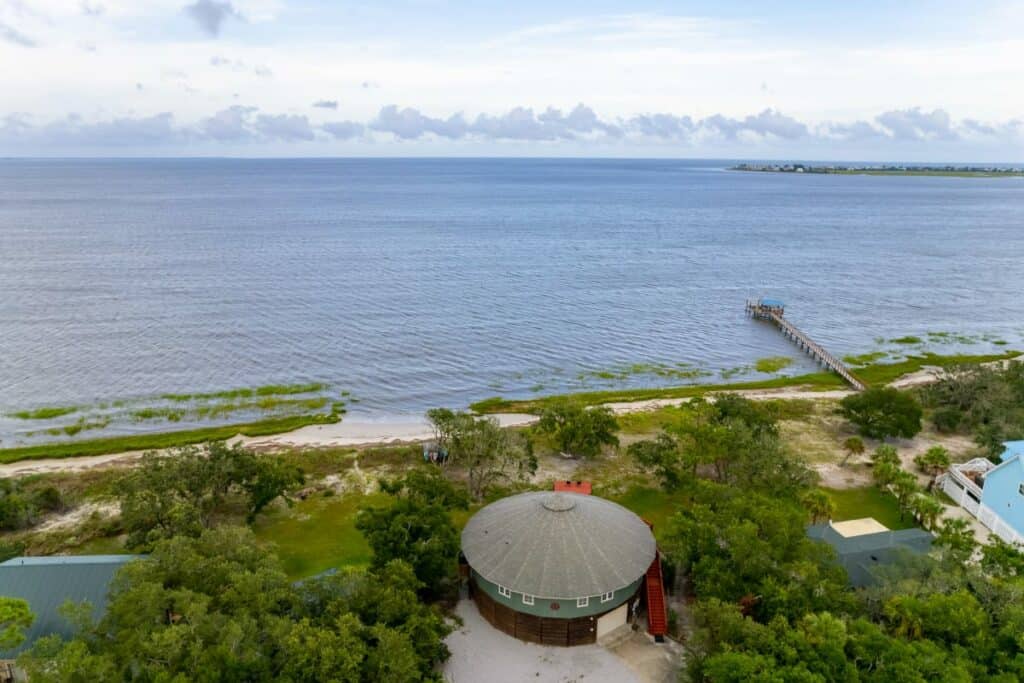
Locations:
(47, 413)
(157, 440)
(871, 374)
(249, 392)
(772, 364)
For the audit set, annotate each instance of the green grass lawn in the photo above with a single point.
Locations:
(654, 505)
(869, 501)
(318, 533)
(104, 545)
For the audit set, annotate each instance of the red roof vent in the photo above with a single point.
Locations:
(573, 486)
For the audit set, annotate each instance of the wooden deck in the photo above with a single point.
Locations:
(776, 315)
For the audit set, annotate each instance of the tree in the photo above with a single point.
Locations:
(489, 453)
(416, 527)
(853, 446)
(219, 607)
(956, 535)
(267, 480)
(179, 493)
(818, 504)
(661, 455)
(578, 430)
(881, 412)
(934, 461)
(926, 509)
(734, 440)
(1002, 559)
(15, 618)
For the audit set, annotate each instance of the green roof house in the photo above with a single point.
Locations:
(46, 583)
(861, 545)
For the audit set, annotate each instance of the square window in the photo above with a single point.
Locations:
(582, 602)
(527, 599)
(504, 592)
(607, 596)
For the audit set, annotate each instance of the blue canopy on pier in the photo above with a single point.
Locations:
(772, 303)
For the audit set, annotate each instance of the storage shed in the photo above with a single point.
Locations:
(46, 583)
(557, 568)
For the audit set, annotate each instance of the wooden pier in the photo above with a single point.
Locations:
(774, 311)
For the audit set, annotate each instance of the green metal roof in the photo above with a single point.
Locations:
(859, 555)
(46, 583)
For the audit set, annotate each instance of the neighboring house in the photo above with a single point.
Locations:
(862, 545)
(992, 493)
(46, 583)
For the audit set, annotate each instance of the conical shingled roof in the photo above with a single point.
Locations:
(558, 545)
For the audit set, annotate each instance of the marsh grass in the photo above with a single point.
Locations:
(871, 374)
(496, 404)
(145, 442)
(772, 364)
(865, 358)
(679, 370)
(249, 392)
(47, 413)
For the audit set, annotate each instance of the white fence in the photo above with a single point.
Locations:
(962, 489)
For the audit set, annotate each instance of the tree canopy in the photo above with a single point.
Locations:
(416, 527)
(15, 618)
(731, 440)
(881, 412)
(217, 607)
(179, 493)
(579, 430)
(488, 453)
(987, 402)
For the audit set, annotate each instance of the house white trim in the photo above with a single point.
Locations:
(959, 485)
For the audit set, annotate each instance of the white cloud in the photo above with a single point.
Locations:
(768, 132)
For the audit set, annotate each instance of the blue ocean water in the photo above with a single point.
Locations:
(415, 283)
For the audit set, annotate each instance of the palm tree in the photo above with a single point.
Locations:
(818, 505)
(927, 510)
(853, 446)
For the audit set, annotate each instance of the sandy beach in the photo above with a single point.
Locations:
(362, 432)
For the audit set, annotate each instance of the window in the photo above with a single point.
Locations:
(504, 592)
(527, 599)
(582, 602)
(1020, 490)
(607, 596)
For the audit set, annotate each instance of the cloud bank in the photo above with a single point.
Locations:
(901, 129)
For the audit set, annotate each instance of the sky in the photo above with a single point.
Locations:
(884, 81)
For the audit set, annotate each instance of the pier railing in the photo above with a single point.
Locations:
(775, 313)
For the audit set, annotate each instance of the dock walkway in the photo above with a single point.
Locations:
(769, 309)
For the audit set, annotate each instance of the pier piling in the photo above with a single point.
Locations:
(774, 311)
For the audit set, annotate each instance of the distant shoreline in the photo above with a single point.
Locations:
(887, 170)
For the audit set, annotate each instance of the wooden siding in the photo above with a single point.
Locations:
(536, 629)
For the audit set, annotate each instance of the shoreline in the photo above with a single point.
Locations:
(382, 432)
(332, 431)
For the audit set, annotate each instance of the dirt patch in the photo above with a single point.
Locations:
(78, 515)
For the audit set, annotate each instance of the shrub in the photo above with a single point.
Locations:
(882, 412)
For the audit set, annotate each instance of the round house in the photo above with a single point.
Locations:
(556, 568)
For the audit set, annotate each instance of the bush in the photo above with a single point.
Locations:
(882, 412)
(577, 430)
(946, 419)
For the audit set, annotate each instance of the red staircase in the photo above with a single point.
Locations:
(657, 612)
